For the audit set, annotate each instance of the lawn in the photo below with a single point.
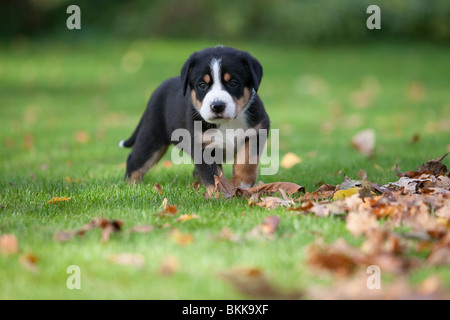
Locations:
(66, 105)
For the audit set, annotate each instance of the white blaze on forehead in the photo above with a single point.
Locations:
(215, 72)
(217, 93)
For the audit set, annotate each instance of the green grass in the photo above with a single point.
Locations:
(53, 90)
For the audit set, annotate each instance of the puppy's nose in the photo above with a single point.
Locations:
(218, 106)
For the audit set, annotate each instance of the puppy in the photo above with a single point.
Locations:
(217, 90)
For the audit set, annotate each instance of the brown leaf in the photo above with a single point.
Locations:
(128, 259)
(364, 142)
(435, 167)
(167, 164)
(356, 289)
(253, 282)
(223, 187)
(440, 254)
(339, 257)
(8, 244)
(230, 189)
(195, 185)
(168, 210)
(169, 266)
(409, 174)
(157, 188)
(442, 182)
(318, 209)
(29, 261)
(439, 257)
(361, 223)
(412, 184)
(82, 136)
(274, 202)
(274, 187)
(226, 234)
(366, 190)
(270, 224)
(108, 227)
(181, 238)
(325, 191)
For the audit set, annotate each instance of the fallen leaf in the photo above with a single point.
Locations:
(274, 187)
(364, 142)
(181, 238)
(356, 289)
(157, 188)
(325, 191)
(253, 282)
(108, 227)
(29, 261)
(339, 257)
(435, 167)
(289, 160)
(226, 234)
(186, 217)
(8, 244)
(348, 183)
(168, 210)
(128, 259)
(270, 224)
(440, 254)
(169, 266)
(82, 136)
(274, 202)
(362, 174)
(195, 185)
(265, 230)
(223, 187)
(59, 199)
(360, 223)
(167, 163)
(440, 182)
(318, 209)
(366, 190)
(341, 194)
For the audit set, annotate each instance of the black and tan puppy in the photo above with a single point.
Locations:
(217, 89)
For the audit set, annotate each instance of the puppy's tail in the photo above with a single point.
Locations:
(130, 141)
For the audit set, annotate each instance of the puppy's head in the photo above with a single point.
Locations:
(221, 82)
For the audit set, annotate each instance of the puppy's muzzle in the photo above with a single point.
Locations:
(218, 106)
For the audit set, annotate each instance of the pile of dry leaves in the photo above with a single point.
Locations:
(408, 215)
(394, 221)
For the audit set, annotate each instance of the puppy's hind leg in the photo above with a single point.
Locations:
(141, 159)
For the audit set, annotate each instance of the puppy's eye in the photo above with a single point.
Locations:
(202, 85)
(233, 83)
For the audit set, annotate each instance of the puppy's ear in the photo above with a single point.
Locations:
(186, 71)
(254, 68)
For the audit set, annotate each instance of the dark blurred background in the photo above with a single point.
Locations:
(277, 21)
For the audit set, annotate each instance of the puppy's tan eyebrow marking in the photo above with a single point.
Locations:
(207, 78)
(227, 77)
